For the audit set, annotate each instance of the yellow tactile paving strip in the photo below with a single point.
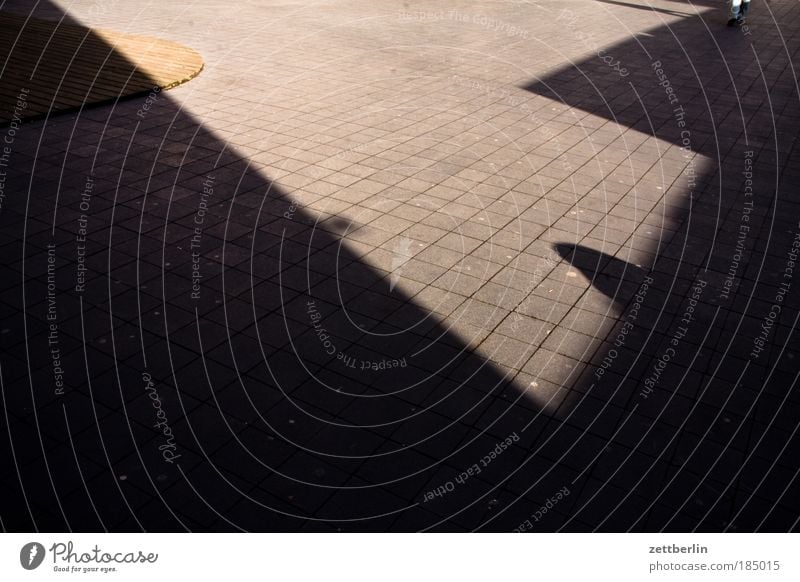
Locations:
(47, 67)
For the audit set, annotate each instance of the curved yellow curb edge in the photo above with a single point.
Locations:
(52, 68)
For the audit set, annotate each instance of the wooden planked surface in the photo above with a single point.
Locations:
(46, 67)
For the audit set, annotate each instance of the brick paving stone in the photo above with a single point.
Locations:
(369, 242)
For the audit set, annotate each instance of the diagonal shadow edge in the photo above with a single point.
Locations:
(110, 270)
(224, 241)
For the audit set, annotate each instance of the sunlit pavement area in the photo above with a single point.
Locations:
(449, 266)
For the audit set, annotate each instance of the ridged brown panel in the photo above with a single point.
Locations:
(58, 67)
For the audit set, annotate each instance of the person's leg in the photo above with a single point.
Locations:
(745, 8)
(736, 7)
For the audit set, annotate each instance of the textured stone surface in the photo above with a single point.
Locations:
(414, 233)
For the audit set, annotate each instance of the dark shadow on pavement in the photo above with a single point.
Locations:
(185, 347)
(704, 223)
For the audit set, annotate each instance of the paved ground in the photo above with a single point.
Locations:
(449, 266)
(60, 67)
